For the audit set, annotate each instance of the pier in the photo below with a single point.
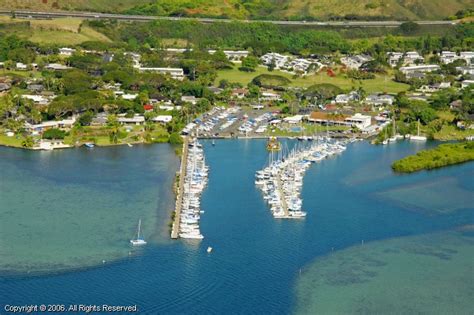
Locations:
(179, 197)
(284, 204)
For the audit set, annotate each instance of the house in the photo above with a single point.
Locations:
(56, 67)
(162, 119)
(239, 93)
(377, 100)
(21, 66)
(328, 118)
(360, 121)
(59, 124)
(293, 119)
(65, 51)
(466, 83)
(125, 96)
(434, 87)
(411, 70)
(189, 99)
(108, 57)
(147, 107)
(175, 73)
(448, 57)
(278, 59)
(394, 58)
(468, 56)
(4, 87)
(466, 70)
(35, 87)
(99, 120)
(135, 120)
(270, 96)
(232, 55)
(39, 99)
(354, 62)
(412, 58)
(215, 90)
(347, 98)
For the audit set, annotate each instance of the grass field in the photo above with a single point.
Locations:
(379, 84)
(64, 31)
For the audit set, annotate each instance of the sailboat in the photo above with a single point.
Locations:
(138, 241)
(418, 137)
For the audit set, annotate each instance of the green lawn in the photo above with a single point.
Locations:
(11, 141)
(379, 84)
(450, 132)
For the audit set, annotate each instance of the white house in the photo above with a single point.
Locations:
(162, 119)
(419, 69)
(175, 73)
(21, 66)
(468, 56)
(189, 99)
(347, 98)
(354, 62)
(412, 57)
(394, 58)
(233, 55)
(466, 83)
(56, 66)
(360, 121)
(377, 100)
(279, 60)
(270, 96)
(448, 56)
(65, 51)
(293, 119)
(135, 120)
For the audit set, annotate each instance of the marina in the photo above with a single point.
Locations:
(178, 277)
(192, 181)
(281, 181)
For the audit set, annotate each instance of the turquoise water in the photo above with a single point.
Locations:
(256, 263)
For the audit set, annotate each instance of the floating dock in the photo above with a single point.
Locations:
(179, 197)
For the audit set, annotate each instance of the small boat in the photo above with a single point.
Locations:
(213, 143)
(89, 145)
(138, 241)
(130, 145)
(209, 249)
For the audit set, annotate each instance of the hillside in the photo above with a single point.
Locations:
(261, 9)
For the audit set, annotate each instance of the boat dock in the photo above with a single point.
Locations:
(180, 189)
(284, 205)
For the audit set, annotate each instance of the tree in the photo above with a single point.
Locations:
(76, 81)
(86, 118)
(249, 64)
(54, 133)
(409, 28)
(28, 142)
(114, 128)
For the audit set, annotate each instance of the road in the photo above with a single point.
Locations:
(146, 18)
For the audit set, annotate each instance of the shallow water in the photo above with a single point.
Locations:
(76, 208)
(256, 259)
(429, 274)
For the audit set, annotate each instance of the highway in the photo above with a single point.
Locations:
(146, 18)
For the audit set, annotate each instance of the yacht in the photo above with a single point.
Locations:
(139, 240)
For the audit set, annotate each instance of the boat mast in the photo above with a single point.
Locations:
(139, 224)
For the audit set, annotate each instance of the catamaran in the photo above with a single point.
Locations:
(139, 240)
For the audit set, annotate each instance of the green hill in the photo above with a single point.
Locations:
(261, 9)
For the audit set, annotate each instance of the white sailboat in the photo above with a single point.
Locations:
(138, 241)
(418, 137)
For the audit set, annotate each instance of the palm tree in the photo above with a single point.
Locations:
(114, 128)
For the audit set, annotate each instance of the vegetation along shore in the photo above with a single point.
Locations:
(443, 155)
